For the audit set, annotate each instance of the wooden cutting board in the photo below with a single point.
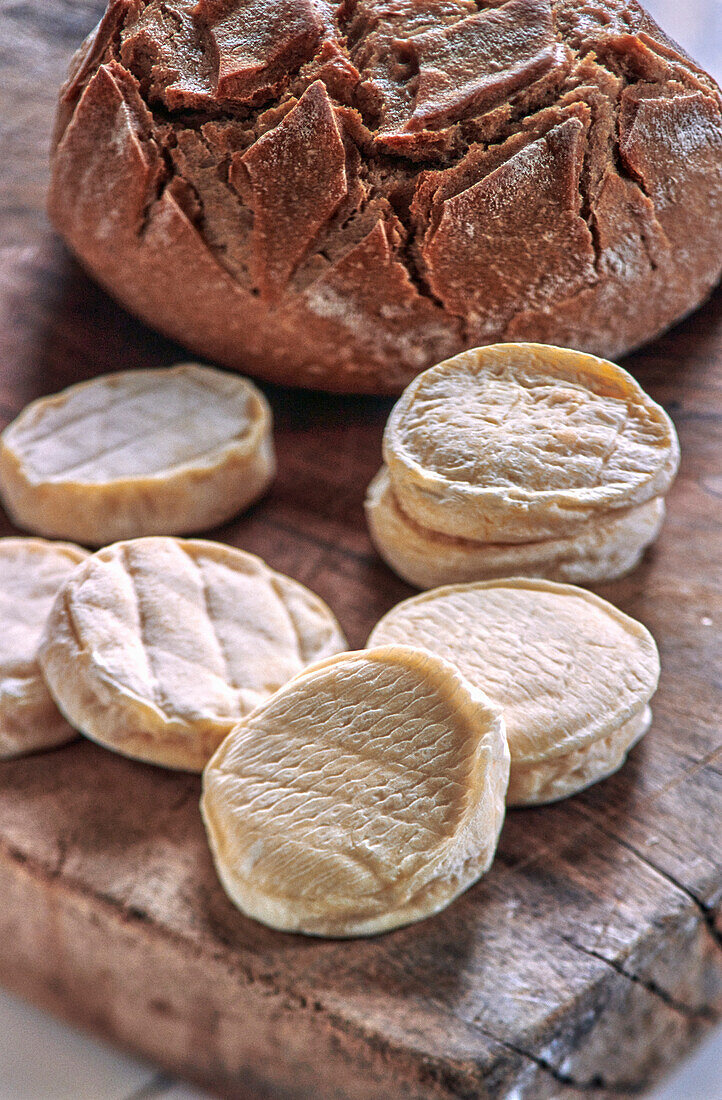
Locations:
(586, 962)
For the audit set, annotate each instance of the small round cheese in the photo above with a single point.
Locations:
(31, 572)
(561, 776)
(568, 668)
(521, 442)
(169, 451)
(601, 549)
(366, 794)
(158, 646)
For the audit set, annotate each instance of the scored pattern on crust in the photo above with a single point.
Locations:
(297, 177)
(513, 149)
(256, 44)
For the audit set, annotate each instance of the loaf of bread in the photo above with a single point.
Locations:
(337, 195)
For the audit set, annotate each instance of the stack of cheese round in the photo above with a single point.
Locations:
(573, 674)
(521, 459)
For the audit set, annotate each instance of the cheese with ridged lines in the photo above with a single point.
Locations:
(169, 451)
(156, 647)
(573, 674)
(602, 549)
(366, 794)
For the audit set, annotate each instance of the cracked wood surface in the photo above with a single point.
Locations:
(589, 958)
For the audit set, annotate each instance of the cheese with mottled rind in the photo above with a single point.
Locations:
(551, 780)
(602, 549)
(521, 442)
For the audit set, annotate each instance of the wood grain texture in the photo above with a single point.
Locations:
(590, 957)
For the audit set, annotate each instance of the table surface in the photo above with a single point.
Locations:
(41, 1059)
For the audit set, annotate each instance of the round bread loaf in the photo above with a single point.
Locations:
(338, 195)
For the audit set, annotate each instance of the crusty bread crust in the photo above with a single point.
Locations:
(380, 191)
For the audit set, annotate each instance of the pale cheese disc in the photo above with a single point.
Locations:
(562, 776)
(169, 451)
(367, 793)
(602, 549)
(31, 572)
(521, 442)
(568, 668)
(158, 646)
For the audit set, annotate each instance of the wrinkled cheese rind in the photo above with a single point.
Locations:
(567, 667)
(551, 780)
(519, 442)
(167, 451)
(603, 549)
(156, 647)
(366, 794)
(31, 572)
